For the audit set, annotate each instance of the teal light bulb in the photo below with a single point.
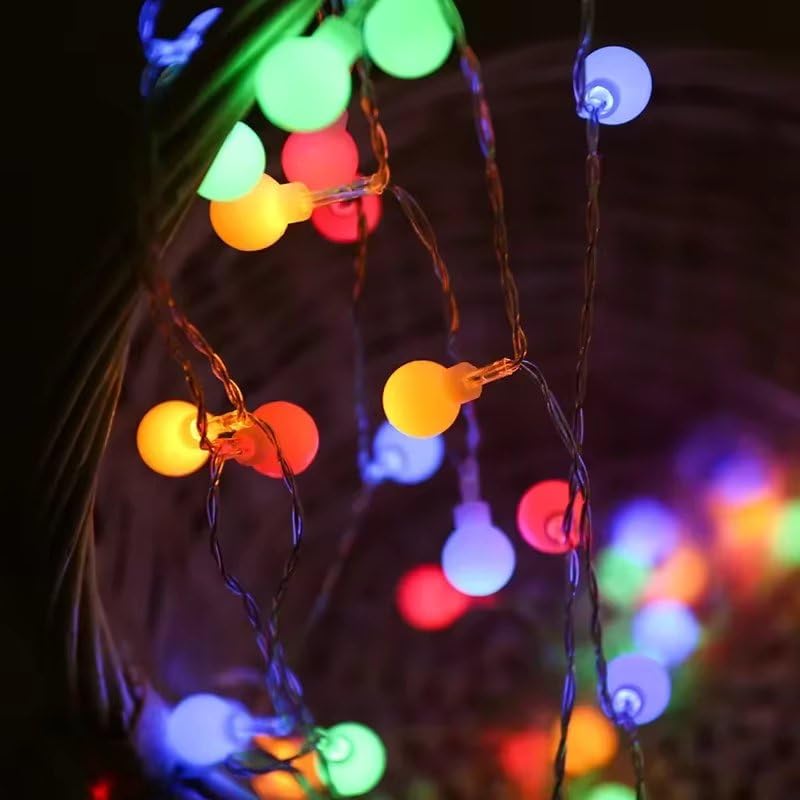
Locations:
(407, 38)
(303, 83)
(355, 759)
(237, 167)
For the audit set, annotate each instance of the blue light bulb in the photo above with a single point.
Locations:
(618, 82)
(204, 729)
(645, 531)
(404, 459)
(478, 559)
(741, 478)
(666, 631)
(638, 686)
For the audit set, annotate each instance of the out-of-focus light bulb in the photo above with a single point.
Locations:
(525, 758)
(682, 577)
(338, 222)
(280, 784)
(621, 580)
(741, 478)
(407, 38)
(592, 740)
(666, 631)
(355, 758)
(618, 82)
(303, 83)
(427, 601)
(168, 440)
(297, 436)
(260, 218)
(404, 459)
(423, 398)
(540, 516)
(322, 159)
(204, 729)
(477, 558)
(786, 545)
(645, 530)
(237, 167)
(638, 686)
(611, 791)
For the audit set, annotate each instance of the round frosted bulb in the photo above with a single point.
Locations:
(427, 601)
(338, 222)
(611, 791)
(618, 82)
(666, 631)
(237, 167)
(477, 558)
(592, 740)
(168, 441)
(638, 686)
(405, 459)
(200, 729)
(303, 84)
(540, 517)
(645, 530)
(322, 159)
(407, 38)
(355, 758)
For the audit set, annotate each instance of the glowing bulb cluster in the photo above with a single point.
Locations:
(354, 759)
(618, 83)
(540, 517)
(478, 559)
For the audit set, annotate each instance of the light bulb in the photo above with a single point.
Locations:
(259, 219)
(303, 83)
(618, 82)
(611, 791)
(638, 687)
(666, 631)
(477, 558)
(423, 398)
(281, 784)
(168, 440)
(202, 729)
(621, 580)
(592, 740)
(683, 577)
(525, 758)
(540, 517)
(237, 166)
(407, 38)
(295, 431)
(786, 545)
(404, 459)
(322, 159)
(645, 530)
(741, 479)
(355, 758)
(338, 222)
(427, 601)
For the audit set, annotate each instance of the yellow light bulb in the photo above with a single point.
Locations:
(168, 441)
(422, 398)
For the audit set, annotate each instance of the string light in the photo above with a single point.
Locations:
(540, 517)
(295, 431)
(303, 82)
(611, 791)
(639, 687)
(618, 84)
(338, 222)
(592, 741)
(260, 218)
(407, 38)
(477, 558)
(645, 530)
(237, 167)
(168, 441)
(403, 459)
(427, 601)
(666, 631)
(321, 159)
(355, 758)
(423, 398)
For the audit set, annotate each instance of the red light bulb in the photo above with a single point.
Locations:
(320, 160)
(297, 435)
(427, 601)
(540, 516)
(338, 222)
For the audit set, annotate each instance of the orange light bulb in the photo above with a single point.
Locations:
(682, 577)
(168, 440)
(281, 785)
(592, 740)
(259, 219)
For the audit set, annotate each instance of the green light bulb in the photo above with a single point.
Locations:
(786, 548)
(303, 83)
(621, 581)
(237, 166)
(611, 791)
(407, 38)
(354, 756)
